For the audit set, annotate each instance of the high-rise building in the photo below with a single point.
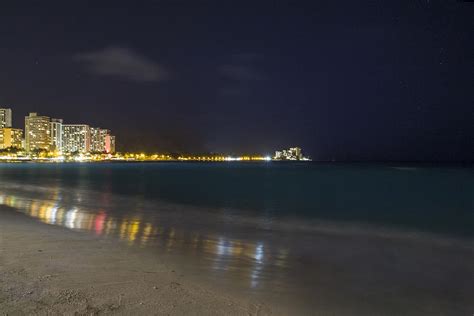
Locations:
(98, 139)
(37, 132)
(5, 118)
(102, 141)
(294, 153)
(95, 139)
(56, 126)
(75, 138)
(105, 138)
(11, 137)
(110, 144)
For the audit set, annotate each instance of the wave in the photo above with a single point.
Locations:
(84, 209)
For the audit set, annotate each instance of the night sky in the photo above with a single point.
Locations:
(345, 80)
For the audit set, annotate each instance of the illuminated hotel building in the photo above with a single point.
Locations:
(111, 145)
(293, 153)
(105, 138)
(11, 137)
(37, 132)
(102, 141)
(56, 126)
(5, 118)
(76, 138)
(98, 139)
(95, 139)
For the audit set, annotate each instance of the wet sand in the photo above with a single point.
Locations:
(49, 270)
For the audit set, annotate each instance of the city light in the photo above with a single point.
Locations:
(50, 140)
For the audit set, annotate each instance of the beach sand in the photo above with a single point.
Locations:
(52, 270)
(49, 270)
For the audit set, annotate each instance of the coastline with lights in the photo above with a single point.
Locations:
(52, 157)
(48, 139)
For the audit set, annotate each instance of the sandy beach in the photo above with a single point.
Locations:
(48, 270)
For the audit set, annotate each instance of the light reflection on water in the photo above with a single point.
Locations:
(379, 259)
(221, 254)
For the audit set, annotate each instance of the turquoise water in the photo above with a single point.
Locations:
(432, 199)
(349, 239)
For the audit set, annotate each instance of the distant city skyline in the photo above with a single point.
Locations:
(344, 80)
(42, 132)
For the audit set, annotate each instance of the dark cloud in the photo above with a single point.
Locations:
(122, 62)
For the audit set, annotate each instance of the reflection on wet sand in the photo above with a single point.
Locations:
(220, 254)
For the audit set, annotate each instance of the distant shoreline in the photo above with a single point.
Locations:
(468, 164)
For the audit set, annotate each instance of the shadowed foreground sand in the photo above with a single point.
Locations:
(48, 270)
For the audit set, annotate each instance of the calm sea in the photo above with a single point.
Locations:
(272, 227)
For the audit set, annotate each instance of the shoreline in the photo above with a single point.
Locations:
(430, 164)
(51, 270)
(241, 218)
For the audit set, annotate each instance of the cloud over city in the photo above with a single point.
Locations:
(122, 62)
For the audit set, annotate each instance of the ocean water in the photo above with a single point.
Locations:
(292, 233)
(431, 199)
